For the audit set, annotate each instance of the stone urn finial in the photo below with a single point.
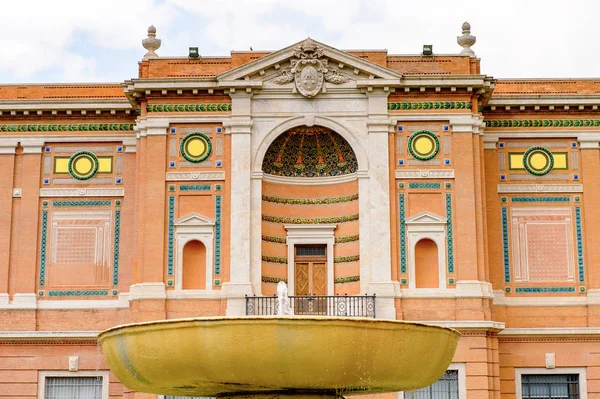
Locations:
(466, 40)
(151, 43)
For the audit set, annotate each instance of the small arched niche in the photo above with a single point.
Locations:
(426, 264)
(194, 266)
(426, 233)
(194, 235)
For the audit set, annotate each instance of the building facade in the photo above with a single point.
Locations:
(455, 198)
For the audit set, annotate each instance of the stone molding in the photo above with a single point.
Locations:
(193, 176)
(306, 181)
(425, 174)
(540, 188)
(82, 192)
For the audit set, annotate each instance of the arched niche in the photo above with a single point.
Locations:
(426, 264)
(426, 225)
(194, 227)
(194, 266)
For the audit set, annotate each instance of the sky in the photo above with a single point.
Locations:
(51, 41)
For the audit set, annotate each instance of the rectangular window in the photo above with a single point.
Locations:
(73, 384)
(444, 388)
(550, 386)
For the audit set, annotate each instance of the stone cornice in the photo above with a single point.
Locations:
(424, 174)
(78, 104)
(540, 188)
(48, 335)
(82, 192)
(194, 176)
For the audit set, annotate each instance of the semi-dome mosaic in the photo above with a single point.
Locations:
(313, 151)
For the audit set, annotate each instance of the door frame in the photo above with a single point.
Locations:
(301, 234)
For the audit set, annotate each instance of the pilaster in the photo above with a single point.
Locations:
(240, 129)
(25, 252)
(590, 166)
(380, 282)
(7, 165)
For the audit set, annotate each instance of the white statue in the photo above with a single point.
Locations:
(283, 301)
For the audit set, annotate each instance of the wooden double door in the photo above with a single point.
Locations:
(310, 278)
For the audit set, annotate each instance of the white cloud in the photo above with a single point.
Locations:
(514, 37)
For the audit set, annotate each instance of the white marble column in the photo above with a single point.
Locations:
(240, 129)
(380, 283)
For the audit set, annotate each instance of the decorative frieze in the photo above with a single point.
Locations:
(218, 215)
(67, 127)
(274, 239)
(190, 176)
(578, 234)
(346, 259)
(544, 290)
(347, 279)
(540, 188)
(505, 246)
(116, 242)
(542, 122)
(60, 293)
(428, 105)
(273, 280)
(195, 187)
(290, 220)
(81, 203)
(424, 185)
(82, 192)
(43, 247)
(310, 201)
(345, 239)
(275, 259)
(425, 174)
(170, 236)
(402, 228)
(204, 107)
(540, 199)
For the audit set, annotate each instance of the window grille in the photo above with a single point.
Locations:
(73, 388)
(310, 251)
(550, 386)
(444, 388)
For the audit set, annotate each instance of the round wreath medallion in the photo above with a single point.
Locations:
(538, 161)
(83, 165)
(195, 147)
(423, 145)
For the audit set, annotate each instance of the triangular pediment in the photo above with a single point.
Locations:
(426, 217)
(342, 64)
(194, 219)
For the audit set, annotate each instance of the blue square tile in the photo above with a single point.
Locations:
(401, 162)
(575, 177)
(120, 149)
(446, 162)
(446, 128)
(400, 128)
(173, 130)
(501, 145)
(171, 164)
(46, 181)
(119, 180)
(219, 129)
(502, 177)
(48, 149)
(219, 164)
(573, 144)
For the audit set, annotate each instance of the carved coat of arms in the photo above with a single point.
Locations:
(309, 70)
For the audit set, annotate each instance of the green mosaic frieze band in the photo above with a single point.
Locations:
(424, 185)
(43, 246)
(402, 238)
(171, 236)
(578, 234)
(310, 201)
(428, 105)
(505, 248)
(345, 239)
(204, 107)
(335, 219)
(540, 199)
(218, 213)
(273, 280)
(542, 122)
(78, 293)
(543, 290)
(117, 239)
(449, 234)
(274, 259)
(275, 239)
(81, 203)
(347, 279)
(68, 127)
(346, 259)
(195, 187)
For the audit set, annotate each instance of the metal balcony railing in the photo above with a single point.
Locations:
(315, 305)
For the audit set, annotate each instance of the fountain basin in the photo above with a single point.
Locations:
(286, 355)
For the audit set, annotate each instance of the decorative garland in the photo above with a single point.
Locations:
(68, 127)
(273, 280)
(335, 219)
(542, 122)
(413, 105)
(347, 279)
(274, 259)
(346, 259)
(310, 201)
(208, 107)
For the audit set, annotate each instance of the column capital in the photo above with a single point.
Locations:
(152, 127)
(238, 126)
(32, 146)
(490, 142)
(130, 144)
(8, 146)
